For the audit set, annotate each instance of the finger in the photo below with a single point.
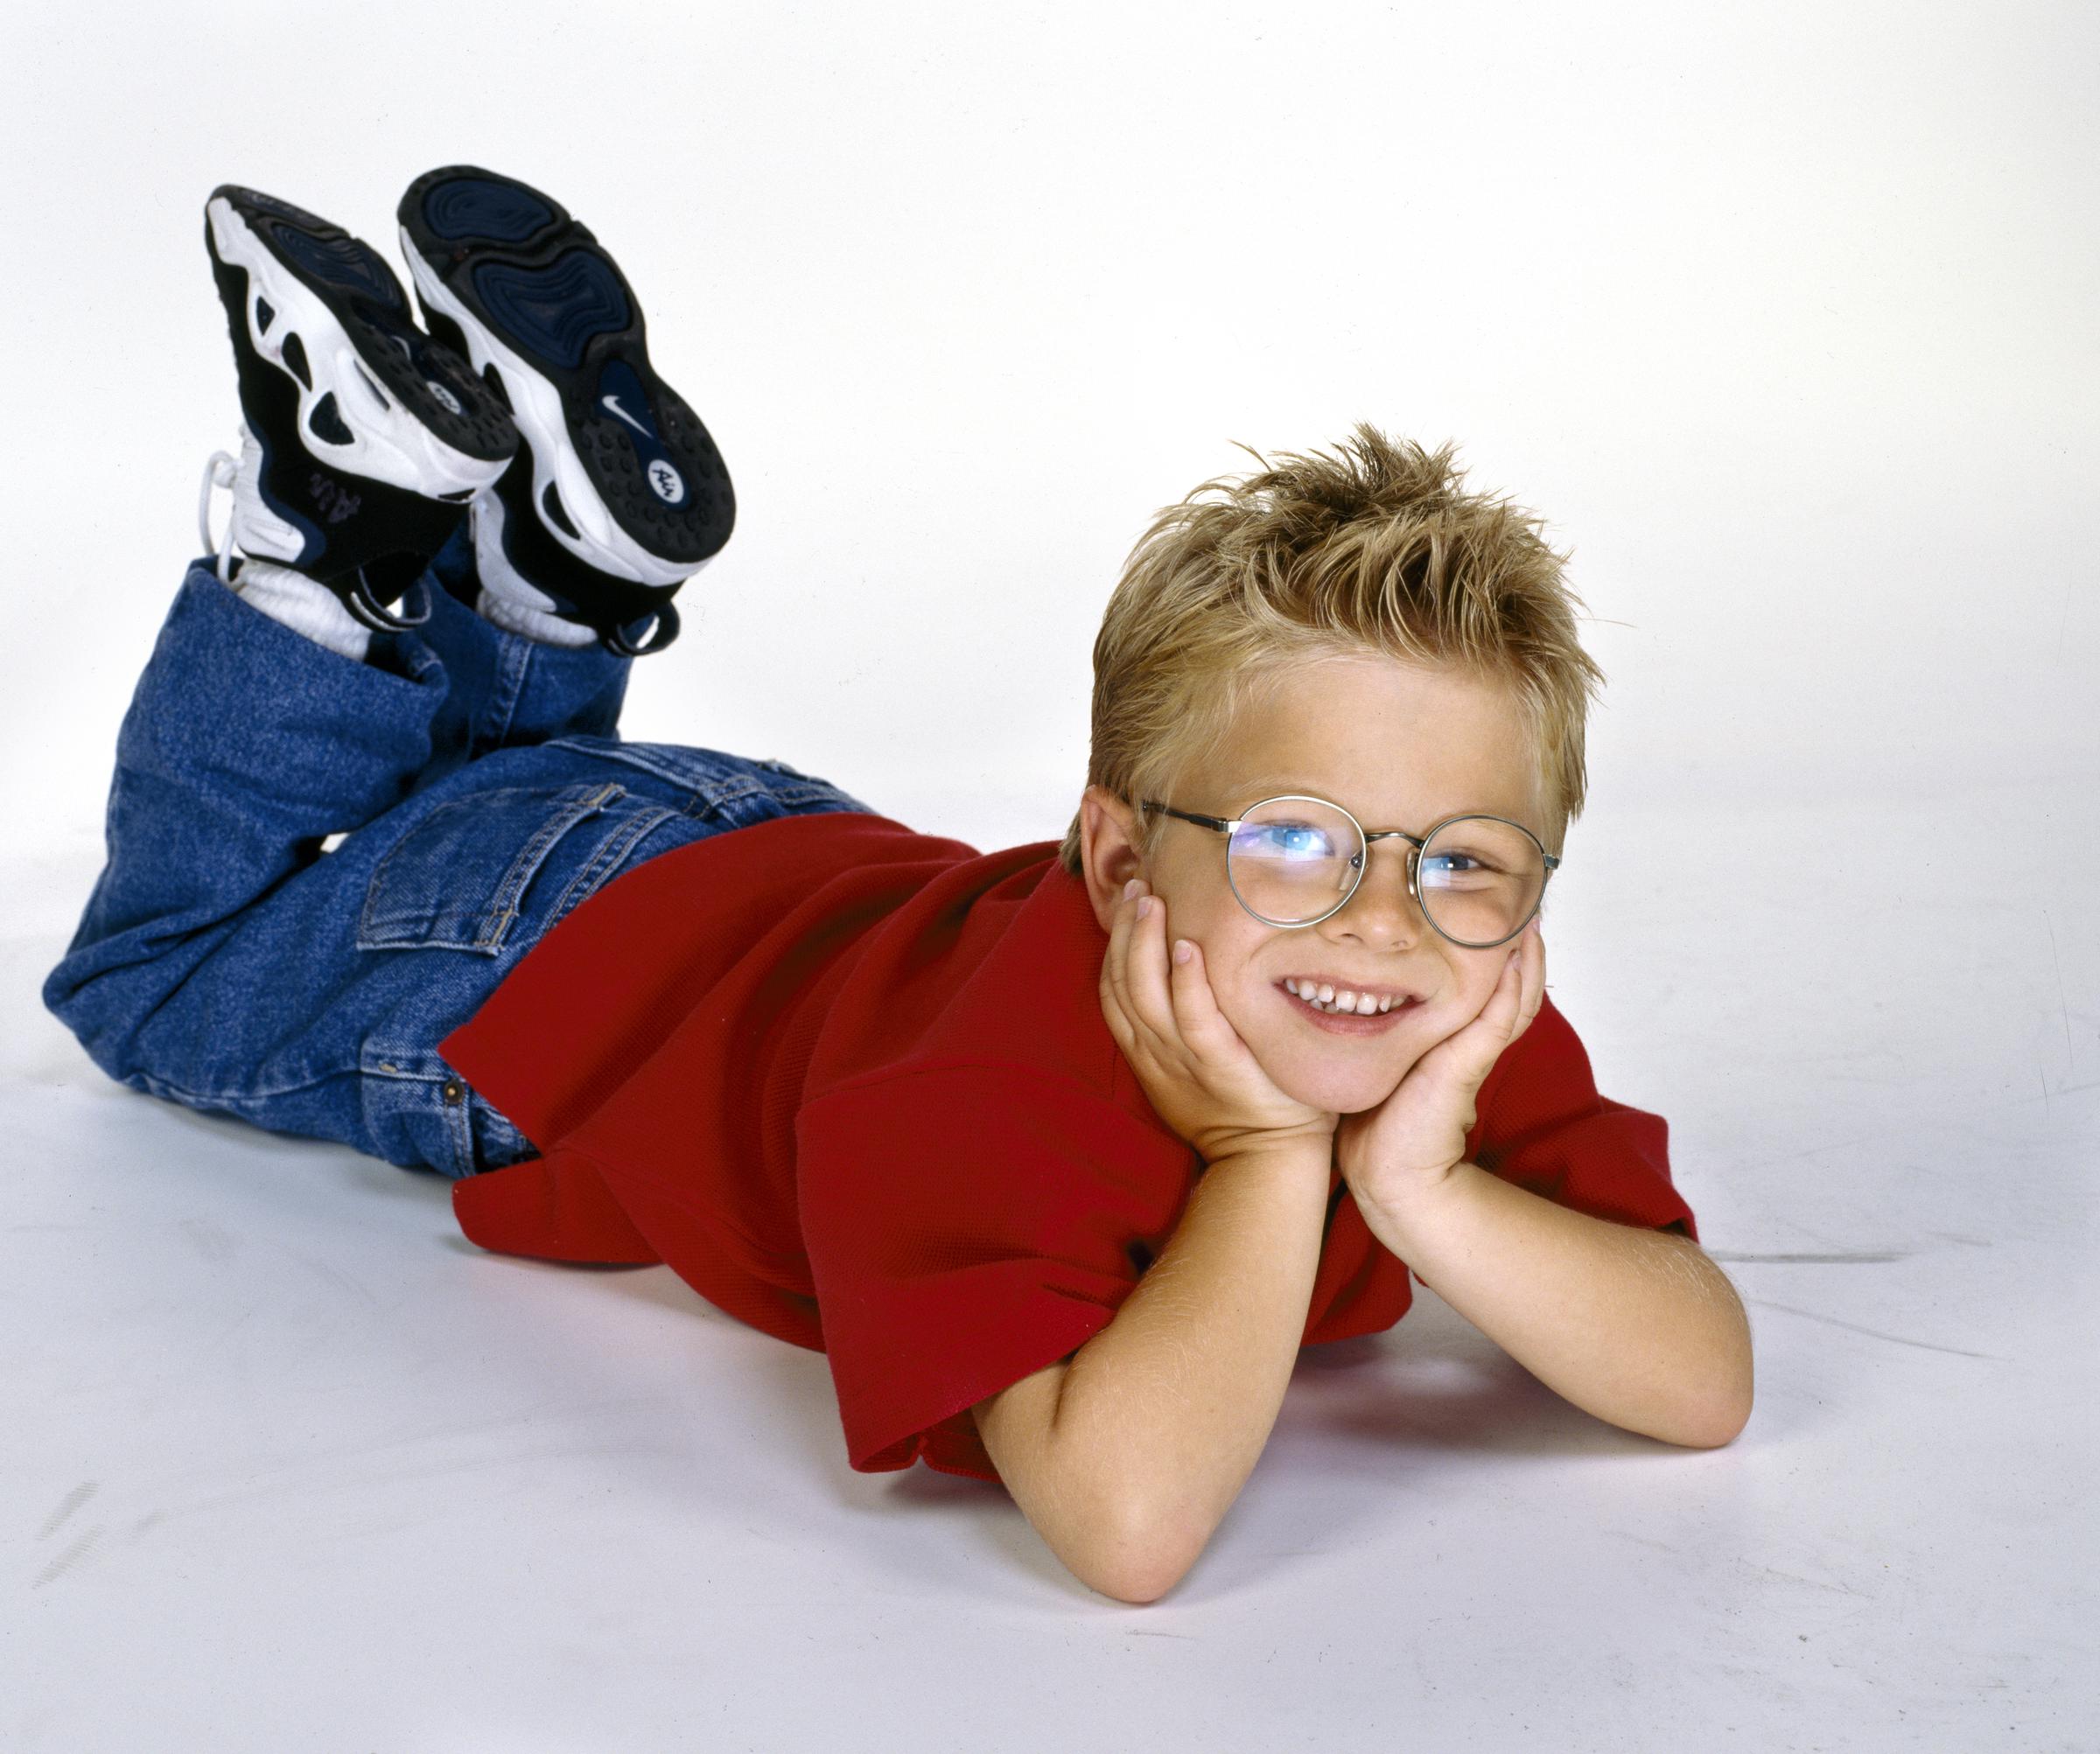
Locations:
(1491, 1030)
(1144, 965)
(1507, 1006)
(1116, 993)
(1196, 1013)
(1123, 951)
(1469, 1052)
(1530, 985)
(1534, 974)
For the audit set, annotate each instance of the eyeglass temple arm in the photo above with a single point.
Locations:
(1217, 822)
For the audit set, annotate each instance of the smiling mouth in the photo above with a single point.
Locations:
(1350, 1022)
(1345, 1001)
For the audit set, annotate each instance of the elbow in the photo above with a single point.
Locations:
(1721, 1425)
(1135, 1588)
(1139, 1585)
(1704, 1416)
(1735, 1419)
(1716, 1434)
(1142, 1559)
(1736, 1406)
(1731, 1391)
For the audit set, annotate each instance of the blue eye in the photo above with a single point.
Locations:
(1457, 871)
(1283, 841)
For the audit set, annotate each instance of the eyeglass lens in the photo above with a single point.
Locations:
(1478, 879)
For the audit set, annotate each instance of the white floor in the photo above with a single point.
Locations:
(291, 1464)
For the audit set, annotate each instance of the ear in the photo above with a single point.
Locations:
(1108, 850)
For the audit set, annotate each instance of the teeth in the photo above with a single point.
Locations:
(1344, 1003)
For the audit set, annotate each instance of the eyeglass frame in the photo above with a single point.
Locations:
(1418, 844)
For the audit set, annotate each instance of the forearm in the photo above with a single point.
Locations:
(1177, 1397)
(1633, 1325)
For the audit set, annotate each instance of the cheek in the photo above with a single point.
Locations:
(1474, 981)
(1235, 980)
(1228, 948)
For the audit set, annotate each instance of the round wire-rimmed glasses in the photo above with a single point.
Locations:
(1507, 865)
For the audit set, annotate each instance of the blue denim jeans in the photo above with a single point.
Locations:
(482, 790)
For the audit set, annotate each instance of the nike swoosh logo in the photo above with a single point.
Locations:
(611, 404)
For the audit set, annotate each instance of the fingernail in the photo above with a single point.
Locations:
(1145, 906)
(1131, 888)
(1181, 950)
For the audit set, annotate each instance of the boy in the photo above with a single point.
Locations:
(1058, 1186)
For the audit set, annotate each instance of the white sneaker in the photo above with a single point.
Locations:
(619, 494)
(363, 440)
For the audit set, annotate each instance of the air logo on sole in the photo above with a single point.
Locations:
(667, 483)
(446, 400)
(621, 396)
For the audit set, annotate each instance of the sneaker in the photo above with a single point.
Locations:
(363, 440)
(619, 494)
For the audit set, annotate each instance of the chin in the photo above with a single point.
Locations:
(1339, 1089)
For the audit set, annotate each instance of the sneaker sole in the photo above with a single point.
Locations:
(376, 397)
(625, 475)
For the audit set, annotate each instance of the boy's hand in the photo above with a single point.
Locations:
(1193, 1067)
(1411, 1141)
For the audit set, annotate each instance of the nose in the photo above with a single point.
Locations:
(1382, 910)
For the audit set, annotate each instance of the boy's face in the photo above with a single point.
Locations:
(1398, 747)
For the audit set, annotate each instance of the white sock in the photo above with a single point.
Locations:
(303, 604)
(507, 598)
(512, 609)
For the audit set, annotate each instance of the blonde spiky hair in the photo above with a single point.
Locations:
(1377, 550)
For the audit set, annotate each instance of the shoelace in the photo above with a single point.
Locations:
(220, 471)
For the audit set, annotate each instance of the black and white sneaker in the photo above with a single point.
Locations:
(619, 494)
(364, 441)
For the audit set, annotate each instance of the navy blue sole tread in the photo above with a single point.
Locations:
(365, 297)
(539, 281)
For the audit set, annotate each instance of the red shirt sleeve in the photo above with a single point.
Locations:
(967, 1226)
(1544, 1127)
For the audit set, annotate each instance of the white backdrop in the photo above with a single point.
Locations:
(1784, 316)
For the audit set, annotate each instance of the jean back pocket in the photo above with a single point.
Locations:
(487, 872)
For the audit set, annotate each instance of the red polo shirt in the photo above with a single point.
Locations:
(852, 1084)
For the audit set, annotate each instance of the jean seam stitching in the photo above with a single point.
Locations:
(371, 923)
(154, 1085)
(611, 853)
(462, 1133)
(514, 662)
(727, 792)
(503, 909)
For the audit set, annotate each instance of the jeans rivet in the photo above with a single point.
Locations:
(453, 1090)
